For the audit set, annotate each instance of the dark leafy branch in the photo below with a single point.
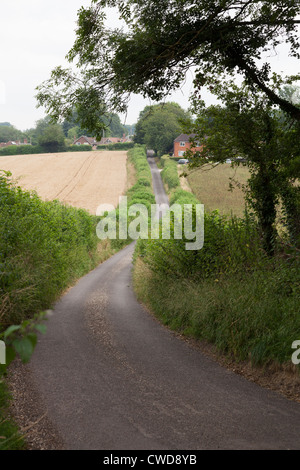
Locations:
(163, 38)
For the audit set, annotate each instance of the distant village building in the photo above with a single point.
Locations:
(115, 140)
(182, 143)
(84, 140)
(14, 142)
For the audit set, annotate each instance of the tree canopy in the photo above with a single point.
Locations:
(50, 136)
(250, 128)
(164, 38)
(111, 122)
(9, 132)
(159, 125)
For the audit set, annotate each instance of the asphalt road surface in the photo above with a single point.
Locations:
(113, 378)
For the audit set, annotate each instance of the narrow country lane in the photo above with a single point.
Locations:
(112, 377)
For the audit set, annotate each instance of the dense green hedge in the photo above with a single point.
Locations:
(140, 193)
(79, 148)
(170, 174)
(21, 150)
(180, 196)
(44, 246)
(117, 146)
(37, 149)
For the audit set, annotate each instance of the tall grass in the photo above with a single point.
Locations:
(249, 317)
(228, 293)
(212, 187)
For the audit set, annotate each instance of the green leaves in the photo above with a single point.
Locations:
(25, 346)
(159, 125)
(10, 330)
(162, 40)
(20, 340)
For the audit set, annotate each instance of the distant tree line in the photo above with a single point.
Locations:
(48, 136)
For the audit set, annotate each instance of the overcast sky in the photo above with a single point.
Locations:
(35, 37)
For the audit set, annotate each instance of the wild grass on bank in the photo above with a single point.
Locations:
(10, 437)
(249, 317)
(229, 293)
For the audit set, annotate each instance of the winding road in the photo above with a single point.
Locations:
(113, 378)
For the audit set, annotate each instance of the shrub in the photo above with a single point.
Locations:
(121, 146)
(141, 192)
(180, 196)
(21, 150)
(230, 245)
(117, 146)
(44, 246)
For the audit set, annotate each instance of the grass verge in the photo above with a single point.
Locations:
(228, 294)
(10, 437)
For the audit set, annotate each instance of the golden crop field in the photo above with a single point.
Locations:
(81, 179)
(211, 186)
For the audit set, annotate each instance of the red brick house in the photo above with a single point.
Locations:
(182, 143)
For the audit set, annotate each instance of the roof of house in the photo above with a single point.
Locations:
(114, 140)
(89, 140)
(184, 137)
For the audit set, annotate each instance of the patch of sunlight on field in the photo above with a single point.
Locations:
(211, 187)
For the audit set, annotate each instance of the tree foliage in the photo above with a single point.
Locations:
(163, 39)
(248, 126)
(159, 125)
(9, 132)
(112, 126)
(50, 136)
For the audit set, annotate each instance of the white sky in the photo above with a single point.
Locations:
(36, 36)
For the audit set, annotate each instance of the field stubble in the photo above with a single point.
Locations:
(80, 179)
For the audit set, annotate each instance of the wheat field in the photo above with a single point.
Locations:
(211, 187)
(80, 179)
